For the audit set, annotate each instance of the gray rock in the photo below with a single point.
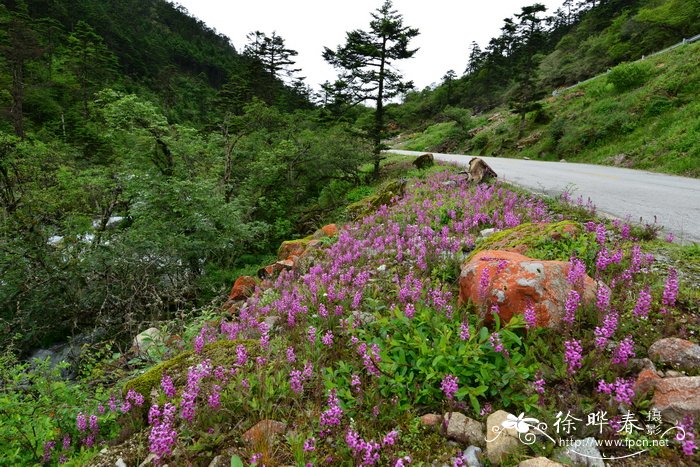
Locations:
(501, 441)
(148, 460)
(147, 339)
(679, 353)
(539, 462)
(120, 463)
(220, 461)
(362, 317)
(472, 456)
(486, 233)
(461, 428)
(583, 453)
(271, 322)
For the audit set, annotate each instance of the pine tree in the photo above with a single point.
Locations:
(366, 63)
(91, 62)
(272, 53)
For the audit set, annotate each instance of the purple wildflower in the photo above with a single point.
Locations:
(573, 356)
(291, 357)
(464, 331)
(670, 289)
(572, 302)
(624, 351)
(643, 306)
(449, 386)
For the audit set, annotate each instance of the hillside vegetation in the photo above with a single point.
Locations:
(643, 115)
(650, 102)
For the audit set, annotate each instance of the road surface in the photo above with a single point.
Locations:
(622, 193)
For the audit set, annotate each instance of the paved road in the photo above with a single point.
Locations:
(673, 201)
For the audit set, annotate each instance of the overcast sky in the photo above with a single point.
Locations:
(447, 27)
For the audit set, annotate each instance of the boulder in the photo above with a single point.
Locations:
(583, 453)
(459, 427)
(243, 288)
(502, 442)
(539, 462)
(677, 397)
(424, 161)
(678, 353)
(264, 429)
(516, 281)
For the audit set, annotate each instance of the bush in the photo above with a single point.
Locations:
(628, 76)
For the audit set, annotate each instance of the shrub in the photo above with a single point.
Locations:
(628, 76)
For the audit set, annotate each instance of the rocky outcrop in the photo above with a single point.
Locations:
(678, 353)
(514, 282)
(242, 288)
(583, 453)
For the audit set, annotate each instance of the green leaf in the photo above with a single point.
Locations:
(236, 461)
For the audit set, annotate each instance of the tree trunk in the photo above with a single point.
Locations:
(379, 114)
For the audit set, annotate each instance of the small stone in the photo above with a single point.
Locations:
(486, 233)
(271, 322)
(148, 460)
(431, 419)
(264, 429)
(584, 452)
(382, 268)
(679, 353)
(501, 441)
(472, 456)
(363, 317)
(461, 428)
(673, 374)
(539, 462)
(220, 461)
(677, 397)
(120, 463)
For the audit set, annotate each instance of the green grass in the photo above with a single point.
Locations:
(431, 137)
(643, 115)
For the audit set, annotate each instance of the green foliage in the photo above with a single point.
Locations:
(38, 405)
(418, 353)
(629, 76)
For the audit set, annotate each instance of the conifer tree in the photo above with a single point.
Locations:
(366, 62)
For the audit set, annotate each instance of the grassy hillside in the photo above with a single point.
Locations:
(642, 115)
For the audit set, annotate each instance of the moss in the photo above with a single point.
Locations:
(384, 196)
(221, 353)
(292, 245)
(530, 235)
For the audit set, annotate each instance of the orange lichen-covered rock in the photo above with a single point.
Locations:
(513, 281)
(331, 230)
(292, 248)
(243, 288)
